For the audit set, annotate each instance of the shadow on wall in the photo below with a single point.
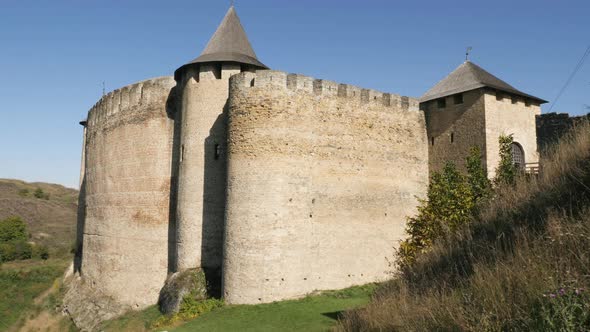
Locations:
(172, 103)
(80, 224)
(214, 183)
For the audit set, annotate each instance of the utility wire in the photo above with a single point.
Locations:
(578, 66)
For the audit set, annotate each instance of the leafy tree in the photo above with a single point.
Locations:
(13, 229)
(449, 204)
(477, 177)
(23, 249)
(506, 171)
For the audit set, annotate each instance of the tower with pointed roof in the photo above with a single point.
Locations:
(202, 87)
(471, 107)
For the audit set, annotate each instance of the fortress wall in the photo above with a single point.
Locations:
(321, 177)
(127, 182)
(202, 171)
(455, 129)
(504, 117)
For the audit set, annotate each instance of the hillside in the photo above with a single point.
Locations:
(51, 219)
(522, 265)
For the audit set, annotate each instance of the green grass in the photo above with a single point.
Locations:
(313, 313)
(21, 282)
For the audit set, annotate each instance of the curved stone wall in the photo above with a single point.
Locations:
(127, 183)
(321, 177)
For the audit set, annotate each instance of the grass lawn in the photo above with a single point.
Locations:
(313, 313)
(21, 282)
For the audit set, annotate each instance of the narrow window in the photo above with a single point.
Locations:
(432, 140)
(458, 98)
(514, 99)
(452, 137)
(217, 151)
(181, 152)
(527, 102)
(499, 95)
(442, 103)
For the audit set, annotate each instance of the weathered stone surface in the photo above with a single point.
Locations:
(88, 305)
(179, 285)
(321, 177)
(127, 186)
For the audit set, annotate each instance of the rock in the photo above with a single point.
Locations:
(180, 285)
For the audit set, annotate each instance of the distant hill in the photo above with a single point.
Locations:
(51, 219)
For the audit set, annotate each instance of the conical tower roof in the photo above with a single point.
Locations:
(469, 76)
(229, 44)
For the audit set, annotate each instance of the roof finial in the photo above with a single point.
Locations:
(467, 53)
(231, 3)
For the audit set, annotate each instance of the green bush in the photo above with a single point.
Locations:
(449, 204)
(41, 251)
(24, 192)
(39, 193)
(506, 171)
(13, 229)
(7, 252)
(23, 250)
(477, 177)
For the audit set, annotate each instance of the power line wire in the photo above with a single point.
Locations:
(571, 77)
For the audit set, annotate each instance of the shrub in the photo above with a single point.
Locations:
(7, 252)
(13, 229)
(449, 204)
(41, 251)
(23, 250)
(477, 177)
(506, 171)
(24, 192)
(39, 193)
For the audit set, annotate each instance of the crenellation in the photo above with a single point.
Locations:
(299, 82)
(271, 79)
(325, 88)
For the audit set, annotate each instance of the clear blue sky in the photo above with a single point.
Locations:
(54, 55)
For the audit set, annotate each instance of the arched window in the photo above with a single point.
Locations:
(517, 155)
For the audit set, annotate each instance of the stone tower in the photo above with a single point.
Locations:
(203, 88)
(471, 107)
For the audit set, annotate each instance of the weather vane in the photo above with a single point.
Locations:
(467, 53)
(231, 3)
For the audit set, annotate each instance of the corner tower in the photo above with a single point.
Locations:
(471, 107)
(203, 89)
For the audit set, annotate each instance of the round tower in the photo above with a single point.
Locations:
(203, 87)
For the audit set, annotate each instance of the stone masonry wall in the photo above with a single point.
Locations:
(321, 178)
(128, 184)
(454, 129)
(507, 117)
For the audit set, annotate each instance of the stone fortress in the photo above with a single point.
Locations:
(276, 184)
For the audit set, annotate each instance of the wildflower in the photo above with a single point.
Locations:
(561, 291)
(552, 295)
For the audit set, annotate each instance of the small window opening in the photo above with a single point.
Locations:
(432, 141)
(514, 99)
(499, 95)
(181, 152)
(252, 83)
(458, 98)
(217, 151)
(441, 103)
(452, 137)
(527, 102)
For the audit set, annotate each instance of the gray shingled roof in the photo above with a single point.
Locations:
(469, 76)
(229, 44)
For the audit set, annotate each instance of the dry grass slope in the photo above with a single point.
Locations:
(523, 265)
(52, 221)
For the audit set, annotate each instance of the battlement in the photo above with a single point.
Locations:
(279, 80)
(130, 97)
